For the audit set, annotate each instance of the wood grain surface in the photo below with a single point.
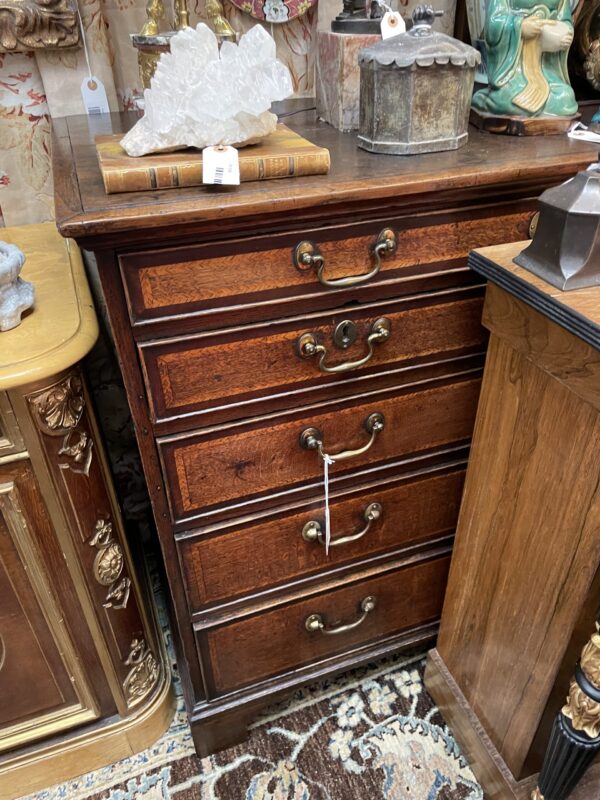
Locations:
(245, 462)
(83, 209)
(253, 278)
(273, 552)
(528, 538)
(239, 370)
(563, 355)
(277, 640)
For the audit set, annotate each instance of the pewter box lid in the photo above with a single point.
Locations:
(420, 45)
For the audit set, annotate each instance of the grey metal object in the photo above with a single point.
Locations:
(356, 18)
(415, 90)
(565, 250)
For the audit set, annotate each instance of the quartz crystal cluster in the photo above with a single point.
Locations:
(203, 95)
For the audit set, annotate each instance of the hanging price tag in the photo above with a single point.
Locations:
(221, 165)
(94, 96)
(392, 24)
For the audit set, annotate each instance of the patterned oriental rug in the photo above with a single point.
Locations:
(372, 733)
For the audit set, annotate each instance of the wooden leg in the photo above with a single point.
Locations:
(575, 738)
(215, 733)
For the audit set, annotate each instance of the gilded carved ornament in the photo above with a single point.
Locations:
(536, 794)
(144, 672)
(36, 24)
(584, 712)
(59, 411)
(108, 566)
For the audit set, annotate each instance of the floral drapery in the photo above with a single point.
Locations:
(36, 87)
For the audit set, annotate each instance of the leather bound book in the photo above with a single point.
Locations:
(283, 154)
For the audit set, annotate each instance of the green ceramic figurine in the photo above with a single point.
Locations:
(527, 45)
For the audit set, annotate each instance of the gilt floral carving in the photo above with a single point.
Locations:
(143, 675)
(582, 710)
(34, 24)
(108, 565)
(60, 408)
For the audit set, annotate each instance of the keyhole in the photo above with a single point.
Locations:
(345, 334)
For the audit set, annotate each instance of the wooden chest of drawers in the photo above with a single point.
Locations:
(244, 360)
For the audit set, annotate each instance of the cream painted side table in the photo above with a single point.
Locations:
(84, 680)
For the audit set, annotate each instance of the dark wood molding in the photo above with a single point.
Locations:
(38, 24)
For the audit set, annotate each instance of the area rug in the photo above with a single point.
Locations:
(371, 734)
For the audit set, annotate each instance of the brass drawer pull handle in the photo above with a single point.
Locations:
(312, 439)
(315, 622)
(308, 256)
(313, 531)
(308, 347)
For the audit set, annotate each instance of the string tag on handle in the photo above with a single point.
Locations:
(327, 460)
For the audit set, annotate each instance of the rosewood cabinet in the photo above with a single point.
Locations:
(244, 360)
(83, 677)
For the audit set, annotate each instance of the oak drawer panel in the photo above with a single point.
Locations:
(198, 287)
(277, 641)
(255, 557)
(221, 468)
(232, 373)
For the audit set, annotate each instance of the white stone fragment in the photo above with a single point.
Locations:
(200, 96)
(16, 295)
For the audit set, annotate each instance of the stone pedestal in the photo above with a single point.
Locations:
(338, 77)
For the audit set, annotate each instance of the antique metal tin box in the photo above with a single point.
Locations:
(565, 250)
(415, 90)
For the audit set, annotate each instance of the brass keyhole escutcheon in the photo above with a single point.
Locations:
(345, 334)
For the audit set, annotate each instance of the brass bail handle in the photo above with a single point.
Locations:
(308, 256)
(312, 439)
(314, 623)
(313, 530)
(307, 347)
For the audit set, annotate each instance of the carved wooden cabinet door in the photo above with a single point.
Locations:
(41, 685)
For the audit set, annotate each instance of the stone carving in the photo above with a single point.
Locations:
(108, 565)
(35, 24)
(16, 295)
(202, 95)
(143, 675)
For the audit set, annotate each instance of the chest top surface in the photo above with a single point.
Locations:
(357, 179)
(578, 311)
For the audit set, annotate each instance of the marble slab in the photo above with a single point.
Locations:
(338, 77)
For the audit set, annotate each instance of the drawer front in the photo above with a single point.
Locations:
(199, 287)
(277, 641)
(235, 372)
(239, 464)
(287, 547)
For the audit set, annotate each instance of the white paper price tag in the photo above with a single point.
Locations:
(94, 96)
(221, 165)
(392, 24)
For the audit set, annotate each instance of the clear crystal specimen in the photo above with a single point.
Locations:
(200, 96)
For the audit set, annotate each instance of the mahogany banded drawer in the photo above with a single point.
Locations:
(310, 630)
(206, 286)
(217, 376)
(223, 471)
(385, 517)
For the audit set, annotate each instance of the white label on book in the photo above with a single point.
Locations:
(221, 165)
(94, 96)
(392, 24)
